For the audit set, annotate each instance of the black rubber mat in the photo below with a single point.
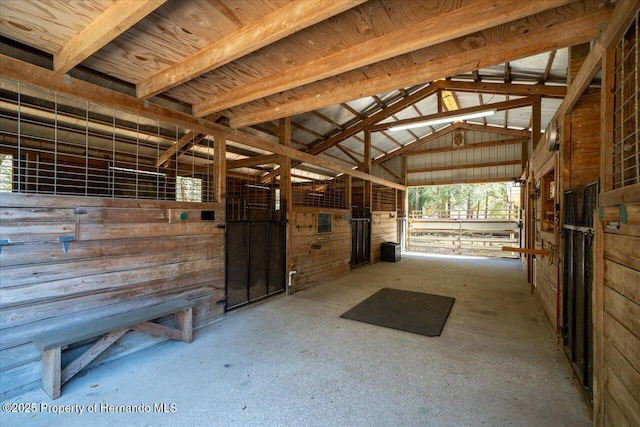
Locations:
(416, 312)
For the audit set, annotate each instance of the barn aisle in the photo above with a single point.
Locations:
(292, 361)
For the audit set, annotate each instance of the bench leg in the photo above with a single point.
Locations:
(51, 372)
(184, 321)
(94, 351)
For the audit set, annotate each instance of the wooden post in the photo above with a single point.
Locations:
(530, 228)
(285, 167)
(606, 121)
(367, 169)
(347, 192)
(286, 196)
(597, 298)
(219, 168)
(536, 124)
(51, 372)
(184, 322)
(577, 55)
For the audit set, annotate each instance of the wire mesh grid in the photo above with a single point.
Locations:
(56, 144)
(248, 198)
(626, 148)
(383, 198)
(321, 193)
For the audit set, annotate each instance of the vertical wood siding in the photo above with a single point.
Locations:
(621, 326)
(317, 257)
(384, 228)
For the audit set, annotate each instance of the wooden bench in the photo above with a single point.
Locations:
(51, 343)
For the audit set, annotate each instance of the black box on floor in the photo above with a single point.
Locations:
(390, 252)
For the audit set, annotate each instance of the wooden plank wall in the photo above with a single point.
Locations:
(618, 356)
(581, 156)
(384, 228)
(576, 164)
(126, 254)
(318, 257)
(546, 281)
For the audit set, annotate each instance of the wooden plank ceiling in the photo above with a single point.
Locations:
(337, 67)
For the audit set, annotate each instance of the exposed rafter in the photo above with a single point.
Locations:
(14, 69)
(253, 161)
(417, 143)
(465, 166)
(115, 20)
(529, 36)
(500, 106)
(496, 143)
(547, 69)
(434, 30)
(189, 139)
(375, 118)
(558, 92)
(270, 28)
(348, 154)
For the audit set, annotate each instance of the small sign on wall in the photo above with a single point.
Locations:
(325, 223)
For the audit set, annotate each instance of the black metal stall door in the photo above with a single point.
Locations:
(360, 241)
(577, 273)
(255, 260)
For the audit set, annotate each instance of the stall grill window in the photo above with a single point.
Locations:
(626, 149)
(57, 144)
(320, 193)
(383, 198)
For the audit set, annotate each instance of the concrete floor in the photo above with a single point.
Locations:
(292, 361)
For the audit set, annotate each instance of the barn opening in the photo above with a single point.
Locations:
(465, 219)
(140, 172)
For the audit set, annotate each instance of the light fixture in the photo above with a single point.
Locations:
(449, 119)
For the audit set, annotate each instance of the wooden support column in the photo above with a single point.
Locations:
(184, 322)
(577, 55)
(285, 167)
(536, 124)
(219, 168)
(367, 169)
(286, 195)
(347, 192)
(530, 227)
(606, 122)
(51, 372)
(597, 298)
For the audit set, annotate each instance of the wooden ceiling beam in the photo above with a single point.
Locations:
(622, 16)
(410, 146)
(115, 20)
(466, 166)
(507, 89)
(499, 106)
(339, 159)
(463, 181)
(189, 138)
(375, 118)
(497, 143)
(565, 26)
(547, 69)
(356, 161)
(475, 16)
(272, 27)
(14, 69)
(389, 170)
(253, 161)
(497, 130)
